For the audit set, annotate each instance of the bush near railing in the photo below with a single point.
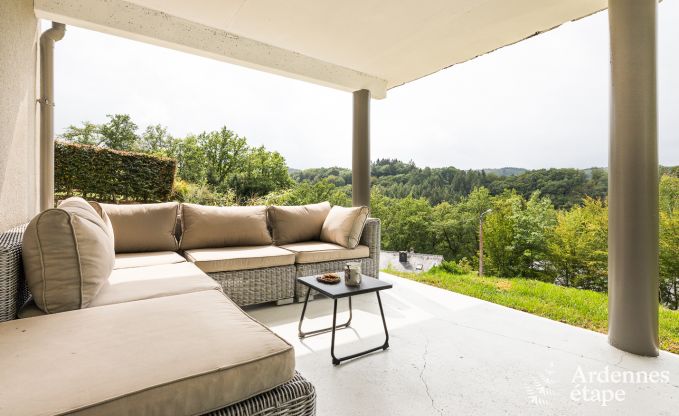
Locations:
(107, 175)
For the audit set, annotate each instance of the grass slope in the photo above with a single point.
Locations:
(583, 308)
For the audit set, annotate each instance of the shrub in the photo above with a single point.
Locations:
(201, 194)
(111, 175)
(463, 267)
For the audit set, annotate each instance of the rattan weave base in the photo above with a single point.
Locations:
(250, 287)
(297, 397)
(13, 291)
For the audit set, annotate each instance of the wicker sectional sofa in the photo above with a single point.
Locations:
(261, 264)
(152, 337)
(278, 284)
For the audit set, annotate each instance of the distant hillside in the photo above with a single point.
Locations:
(564, 186)
(397, 179)
(505, 171)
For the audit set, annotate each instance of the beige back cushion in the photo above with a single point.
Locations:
(211, 227)
(143, 227)
(104, 216)
(344, 226)
(298, 223)
(68, 256)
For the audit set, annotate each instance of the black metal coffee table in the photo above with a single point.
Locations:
(337, 291)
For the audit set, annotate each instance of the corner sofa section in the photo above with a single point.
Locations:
(130, 319)
(141, 333)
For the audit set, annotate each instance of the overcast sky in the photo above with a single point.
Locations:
(537, 104)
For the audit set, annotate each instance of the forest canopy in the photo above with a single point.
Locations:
(546, 224)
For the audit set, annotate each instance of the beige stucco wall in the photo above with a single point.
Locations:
(19, 32)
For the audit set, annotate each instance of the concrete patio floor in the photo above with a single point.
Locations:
(455, 355)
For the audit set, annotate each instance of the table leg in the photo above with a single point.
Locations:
(301, 334)
(335, 361)
(301, 318)
(384, 346)
(384, 323)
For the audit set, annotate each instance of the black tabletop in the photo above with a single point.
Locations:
(341, 290)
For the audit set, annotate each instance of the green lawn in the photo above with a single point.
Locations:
(583, 308)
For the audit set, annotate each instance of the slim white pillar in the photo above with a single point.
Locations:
(360, 166)
(633, 179)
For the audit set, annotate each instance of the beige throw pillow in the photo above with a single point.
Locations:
(68, 256)
(214, 227)
(297, 223)
(143, 227)
(104, 216)
(344, 226)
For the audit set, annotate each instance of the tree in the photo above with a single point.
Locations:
(578, 247)
(119, 133)
(87, 134)
(669, 241)
(453, 232)
(500, 255)
(223, 161)
(406, 222)
(534, 225)
(190, 159)
(307, 193)
(155, 140)
(516, 235)
(455, 226)
(224, 152)
(261, 172)
(336, 180)
(564, 187)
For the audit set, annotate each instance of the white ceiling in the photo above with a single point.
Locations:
(398, 41)
(344, 44)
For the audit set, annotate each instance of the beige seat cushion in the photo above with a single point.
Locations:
(297, 223)
(68, 255)
(210, 227)
(227, 259)
(143, 227)
(344, 226)
(138, 283)
(127, 260)
(317, 251)
(177, 355)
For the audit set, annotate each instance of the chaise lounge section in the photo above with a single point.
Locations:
(159, 356)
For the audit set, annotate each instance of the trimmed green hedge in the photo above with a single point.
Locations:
(107, 175)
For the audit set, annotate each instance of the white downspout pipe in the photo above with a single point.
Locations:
(47, 40)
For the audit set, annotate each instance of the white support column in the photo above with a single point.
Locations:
(633, 179)
(360, 167)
